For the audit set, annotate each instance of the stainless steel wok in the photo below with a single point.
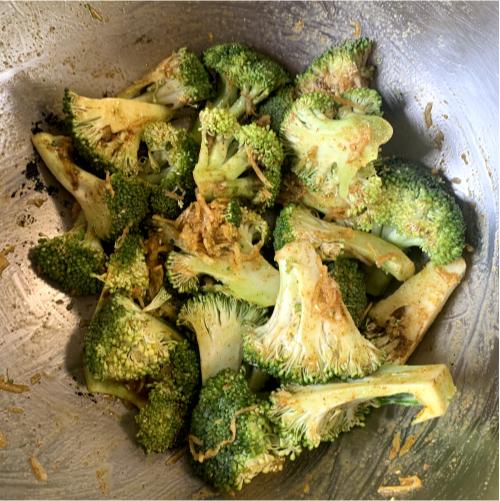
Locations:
(440, 53)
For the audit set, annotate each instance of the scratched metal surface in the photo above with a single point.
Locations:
(444, 53)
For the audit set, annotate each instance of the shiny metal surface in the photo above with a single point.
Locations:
(443, 53)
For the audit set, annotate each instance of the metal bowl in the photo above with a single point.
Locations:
(440, 53)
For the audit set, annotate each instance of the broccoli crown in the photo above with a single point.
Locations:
(179, 80)
(248, 76)
(328, 152)
(276, 106)
(310, 337)
(351, 281)
(360, 100)
(218, 321)
(127, 271)
(124, 343)
(71, 260)
(339, 68)
(231, 440)
(297, 223)
(417, 210)
(241, 162)
(233, 213)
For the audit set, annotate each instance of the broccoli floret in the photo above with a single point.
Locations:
(218, 322)
(329, 151)
(339, 68)
(71, 260)
(296, 223)
(172, 155)
(276, 107)
(359, 100)
(310, 337)
(398, 323)
(162, 421)
(308, 415)
(107, 132)
(351, 281)
(212, 245)
(179, 80)
(127, 272)
(242, 162)
(415, 209)
(109, 205)
(247, 77)
(124, 343)
(231, 439)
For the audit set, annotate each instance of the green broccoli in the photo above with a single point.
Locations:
(307, 415)
(415, 209)
(339, 68)
(127, 272)
(246, 76)
(172, 155)
(377, 281)
(242, 162)
(124, 343)
(109, 205)
(277, 106)
(398, 323)
(296, 223)
(71, 260)
(107, 132)
(218, 322)
(359, 100)
(179, 80)
(351, 281)
(231, 440)
(329, 151)
(310, 337)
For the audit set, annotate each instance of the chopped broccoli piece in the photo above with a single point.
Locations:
(359, 100)
(327, 151)
(109, 205)
(277, 106)
(179, 80)
(246, 76)
(308, 415)
(331, 240)
(71, 260)
(351, 281)
(107, 132)
(124, 343)
(218, 322)
(310, 337)
(231, 439)
(415, 209)
(398, 323)
(242, 162)
(339, 68)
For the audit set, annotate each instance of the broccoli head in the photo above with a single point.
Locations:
(71, 260)
(351, 281)
(277, 106)
(297, 223)
(242, 162)
(110, 205)
(179, 80)
(231, 439)
(310, 337)
(124, 343)
(329, 151)
(339, 68)
(359, 100)
(107, 132)
(218, 322)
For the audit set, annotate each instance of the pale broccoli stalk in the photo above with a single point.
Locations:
(398, 323)
(179, 80)
(310, 337)
(297, 223)
(109, 205)
(107, 132)
(309, 415)
(218, 322)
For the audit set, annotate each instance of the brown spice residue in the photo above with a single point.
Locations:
(37, 201)
(298, 26)
(3, 441)
(102, 482)
(12, 387)
(4, 262)
(456, 180)
(94, 13)
(38, 470)
(406, 485)
(204, 493)
(407, 445)
(15, 410)
(36, 378)
(438, 140)
(428, 115)
(357, 29)
(396, 444)
(463, 156)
